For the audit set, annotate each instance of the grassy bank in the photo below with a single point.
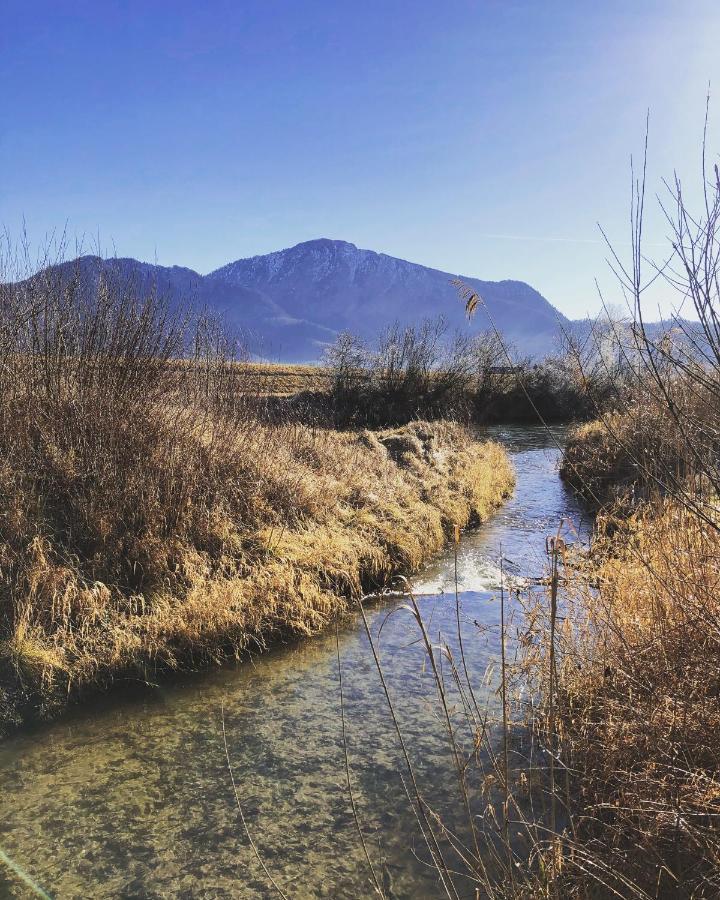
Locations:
(634, 455)
(595, 464)
(180, 546)
(637, 706)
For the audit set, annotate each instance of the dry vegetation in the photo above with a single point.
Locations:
(283, 380)
(638, 708)
(423, 370)
(638, 450)
(150, 520)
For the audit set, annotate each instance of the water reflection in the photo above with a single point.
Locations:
(133, 798)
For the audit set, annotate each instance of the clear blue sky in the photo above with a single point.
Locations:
(484, 138)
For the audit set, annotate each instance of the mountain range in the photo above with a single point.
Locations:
(291, 304)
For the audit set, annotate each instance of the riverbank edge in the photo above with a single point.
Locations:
(409, 489)
(596, 463)
(635, 663)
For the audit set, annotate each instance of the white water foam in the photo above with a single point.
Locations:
(474, 574)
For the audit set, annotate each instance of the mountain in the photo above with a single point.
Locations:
(321, 287)
(292, 303)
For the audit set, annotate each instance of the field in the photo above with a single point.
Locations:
(283, 380)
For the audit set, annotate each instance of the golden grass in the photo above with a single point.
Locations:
(606, 460)
(229, 540)
(283, 380)
(643, 450)
(639, 687)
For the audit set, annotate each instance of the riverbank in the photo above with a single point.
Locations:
(275, 530)
(636, 707)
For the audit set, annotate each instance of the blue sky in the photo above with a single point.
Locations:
(483, 138)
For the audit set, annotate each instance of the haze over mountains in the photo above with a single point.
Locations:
(292, 303)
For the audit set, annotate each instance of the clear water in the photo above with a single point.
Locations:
(132, 797)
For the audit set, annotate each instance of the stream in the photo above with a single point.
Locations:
(131, 795)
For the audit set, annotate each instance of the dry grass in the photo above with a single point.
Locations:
(283, 380)
(594, 464)
(639, 708)
(201, 541)
(634, 454)
(638, 704)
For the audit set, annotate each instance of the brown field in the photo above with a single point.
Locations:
(283, 380)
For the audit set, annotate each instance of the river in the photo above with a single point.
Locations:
(131, 796)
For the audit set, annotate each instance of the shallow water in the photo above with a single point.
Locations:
(132, 796)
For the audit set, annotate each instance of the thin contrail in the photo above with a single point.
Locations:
(554, 240)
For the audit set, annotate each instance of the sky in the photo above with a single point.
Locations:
(483, 138)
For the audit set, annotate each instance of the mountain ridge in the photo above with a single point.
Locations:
(291, 303)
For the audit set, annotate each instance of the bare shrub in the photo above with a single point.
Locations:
(424, 371)
(413, 372)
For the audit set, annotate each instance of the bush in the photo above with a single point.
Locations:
(424, 372)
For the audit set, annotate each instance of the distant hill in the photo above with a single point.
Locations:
(293, 303)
